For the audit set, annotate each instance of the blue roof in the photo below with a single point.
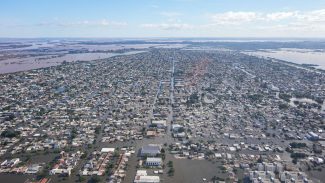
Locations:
(150, 149)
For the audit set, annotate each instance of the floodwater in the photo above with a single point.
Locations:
(192, 171)
(298, 56)
(24, 64)
(20, 178)
(14, 178)
(189, 171)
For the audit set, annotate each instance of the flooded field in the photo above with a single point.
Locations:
(298, 56)
(24, 64)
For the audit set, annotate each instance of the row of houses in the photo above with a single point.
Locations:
(66, 163)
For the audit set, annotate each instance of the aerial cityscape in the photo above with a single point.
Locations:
(173, 102)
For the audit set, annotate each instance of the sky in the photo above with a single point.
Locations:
(162, 18)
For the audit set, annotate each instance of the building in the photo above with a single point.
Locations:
(154, 161)
(10, 163)
(150, 150)
(176, 127)
(142, 177)
(151, 133)
(146, 179)
(160, 123)
(262, 176)
(43, 180)
(312, 136)
(107, 150)
(66, 163)
(179, 135)
(33, 169)
(293, 177)
(60, 171)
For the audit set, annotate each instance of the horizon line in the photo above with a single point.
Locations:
(165, 37)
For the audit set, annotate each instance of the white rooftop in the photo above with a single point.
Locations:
(147, 179)
(106, 150)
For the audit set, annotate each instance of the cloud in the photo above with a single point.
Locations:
(171, 14)
(308, 21)
(284, 23)
(233, 18)
(280, 15)
(83, 23)
(312, 16)
(154, 6)
(241, 17)
(105, 22)
(171, 22)
(168, 26)
(238, 18)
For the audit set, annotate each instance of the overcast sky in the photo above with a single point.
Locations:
(162, 18)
